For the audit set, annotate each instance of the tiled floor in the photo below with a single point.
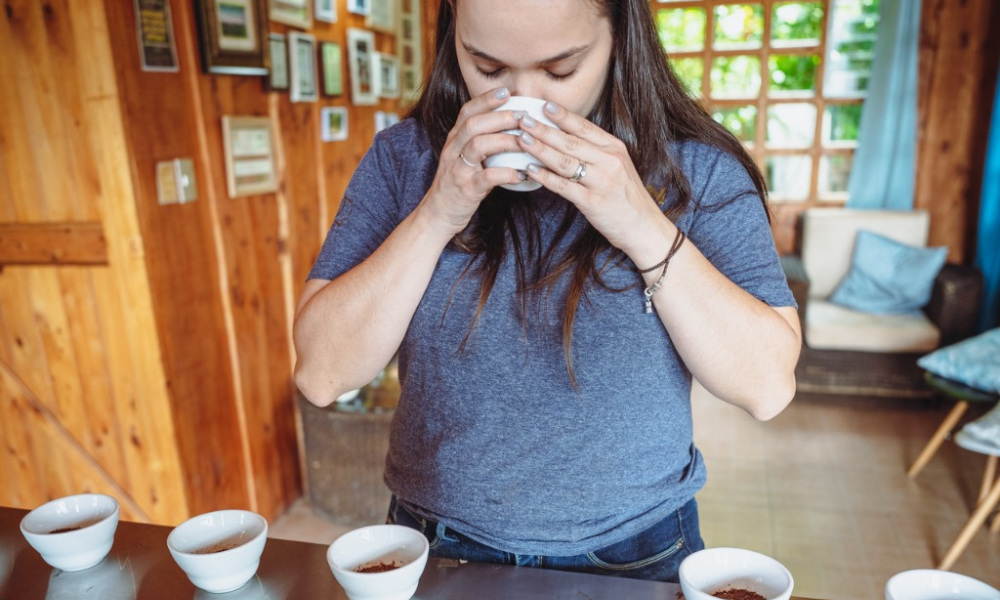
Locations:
(823, 489)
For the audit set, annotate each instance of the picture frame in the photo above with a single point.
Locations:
(385, 119)
(331, 65)
(302, 67)
(231, 36)
(334, 123)
(155, 33)
(361, 59)
(249, 151)
(278, 76)
(359, 7)
(383, 16)
(325, 11)
(410, 49)
(297, 13)
(387, 75)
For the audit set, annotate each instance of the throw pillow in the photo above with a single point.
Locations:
(888, 277)
(974, 362)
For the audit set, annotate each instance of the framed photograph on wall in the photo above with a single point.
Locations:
(385, 119)
(231, 33)
(334, 119)
(387, 75)
(411, 67)
(359, 7)
(331, 64)
(155, 29)
(383, 16)
(361, 60)
(326, 11)
(302, 67)
(278, 79)
(249, 153)
(296, 13)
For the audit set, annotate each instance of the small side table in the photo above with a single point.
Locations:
(989, 491)
(962, 394)
(344, 447)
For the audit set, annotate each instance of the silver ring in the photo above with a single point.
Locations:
(580, 173)
(473, 165)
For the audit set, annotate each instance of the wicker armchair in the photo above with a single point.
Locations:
(952, 309)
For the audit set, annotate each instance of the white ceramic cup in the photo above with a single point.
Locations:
(706, 572)
(73, 533)
(932, 584)
(219, 551)
(396, 545)
(535, 108)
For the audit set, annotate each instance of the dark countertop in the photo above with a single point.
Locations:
(139, 567)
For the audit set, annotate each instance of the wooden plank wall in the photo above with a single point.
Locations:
(959, 57)
(229, 271)
(83, 397)
(162, 374)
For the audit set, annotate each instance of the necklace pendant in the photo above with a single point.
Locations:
(649, 306)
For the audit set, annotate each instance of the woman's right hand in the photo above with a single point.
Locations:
(461, 181)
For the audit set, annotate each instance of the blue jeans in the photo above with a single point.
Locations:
(654, 554)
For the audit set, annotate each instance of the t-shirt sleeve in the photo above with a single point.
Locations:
(730, 227)
(368, 213)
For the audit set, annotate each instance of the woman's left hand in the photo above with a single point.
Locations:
(592, 169)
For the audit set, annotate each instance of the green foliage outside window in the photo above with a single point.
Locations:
(738, 26)
(797, 23)
(742, 121)
(681, 29)
(691, 71)
(735, 76)
(793, 73)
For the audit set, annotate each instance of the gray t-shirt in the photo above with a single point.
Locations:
(493, 440)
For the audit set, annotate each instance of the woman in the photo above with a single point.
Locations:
(545, 416)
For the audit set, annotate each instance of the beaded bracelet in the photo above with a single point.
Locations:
(648, 292)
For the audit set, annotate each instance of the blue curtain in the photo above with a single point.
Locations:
(883, 172)
(988, 244)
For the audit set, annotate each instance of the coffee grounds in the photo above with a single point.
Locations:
(216, 548)
(738, 594)
(65, 529)
(378, 567)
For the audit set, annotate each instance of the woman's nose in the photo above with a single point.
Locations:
(524, 86)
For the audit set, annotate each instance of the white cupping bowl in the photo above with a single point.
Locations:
(91, 519)
(708, 571)
(379, 543)
(219, 551)
(931, 584)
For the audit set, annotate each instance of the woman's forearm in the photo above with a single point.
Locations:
(742, 350)
(347, 330)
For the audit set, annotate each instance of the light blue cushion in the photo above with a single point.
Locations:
(974, 362)
(887, 277)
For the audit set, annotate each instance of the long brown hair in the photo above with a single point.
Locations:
(643, 104)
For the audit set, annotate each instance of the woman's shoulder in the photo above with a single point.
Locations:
(401, 154)
(704, 164)
(696, 155)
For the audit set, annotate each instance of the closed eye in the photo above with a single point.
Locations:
(560, 76)
(491, 74)
(497, 72)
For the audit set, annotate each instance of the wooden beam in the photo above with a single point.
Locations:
(80, 243)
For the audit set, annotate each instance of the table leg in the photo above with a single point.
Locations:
(988, 475)
(992, 462)
(938, 438)
(983, 510)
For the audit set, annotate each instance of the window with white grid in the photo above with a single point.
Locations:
(788, 78)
